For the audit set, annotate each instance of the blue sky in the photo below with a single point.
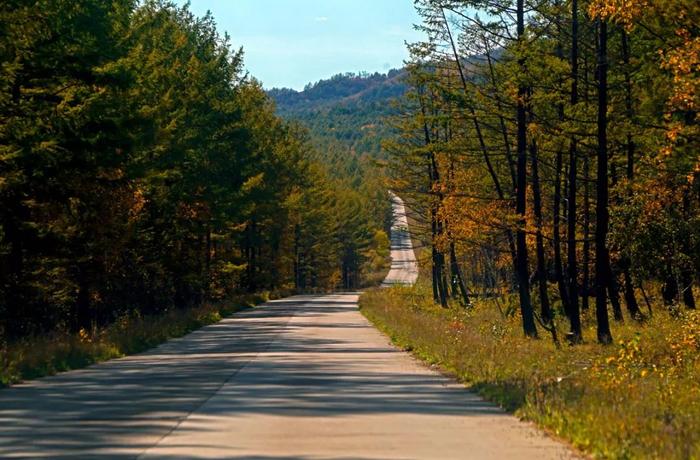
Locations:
(289, 43)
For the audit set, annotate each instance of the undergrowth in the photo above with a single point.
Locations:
(35, 357)
(637, 398)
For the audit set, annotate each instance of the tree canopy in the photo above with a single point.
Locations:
(551, 149)
(141, 170)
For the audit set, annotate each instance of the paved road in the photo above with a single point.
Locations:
(404, 268)
(305, 377)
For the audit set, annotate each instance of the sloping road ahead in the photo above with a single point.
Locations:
(305, 377)
(404, 267)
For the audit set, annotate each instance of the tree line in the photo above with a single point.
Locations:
(550, 149)
(141, 169)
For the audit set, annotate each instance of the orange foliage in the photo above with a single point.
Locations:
(679, 55)
(625, 12)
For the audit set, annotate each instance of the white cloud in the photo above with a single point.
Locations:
(321, 19)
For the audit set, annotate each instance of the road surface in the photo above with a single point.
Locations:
(404, 268)
(305, 377)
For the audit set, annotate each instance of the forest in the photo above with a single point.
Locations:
(549, 155)
(347, 117)
(551, 149)
(143, 171)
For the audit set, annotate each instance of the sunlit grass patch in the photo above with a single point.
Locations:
(638, 398)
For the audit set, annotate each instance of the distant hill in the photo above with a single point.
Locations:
(344, 114)
(340, 89)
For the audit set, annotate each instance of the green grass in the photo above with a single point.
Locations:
(638, 398)
(36, 357)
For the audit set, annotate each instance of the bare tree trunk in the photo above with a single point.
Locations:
(207, 262)
(439, 282)
(614, 292)
(435, 261)
(601, 232)
(556, 224)
(556, 234)
(586, 280)
(458, 284)
(529, 326)
(442, 280)
(625, 262)
(575, 334)
(688, 297)
(545, 308)
(687, 274)
(297, 258)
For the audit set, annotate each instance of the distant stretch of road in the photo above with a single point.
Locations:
(404, 268)
(305, 377)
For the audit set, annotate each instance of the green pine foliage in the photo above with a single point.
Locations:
(346, 116)
(142, 172)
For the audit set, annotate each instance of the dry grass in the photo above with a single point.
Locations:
(36, 357)
(638, 398)
(374, 278)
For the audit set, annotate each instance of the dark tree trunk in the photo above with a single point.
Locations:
(207, 263)
(13, 273)
(602, 271)
(586, 280)
(435, 263)
(669, 290)
(688, 297)
(614, 292)
(432, 180)
(435, 260)
(442, 279)
(571, 261)
(545, 308)
(458, 285)
(630, 299)
(625, 262)
(528, 318)
(435, 276)
(299, 283)
(439, 257)
(575, 334)
(556, 223)
(629, 146)
(556, 235)
(81, 319)
(251, 256)
(274, 270)
(646, 299)
(687, 274)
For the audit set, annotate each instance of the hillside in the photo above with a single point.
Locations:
(340, 88)
(344, 114)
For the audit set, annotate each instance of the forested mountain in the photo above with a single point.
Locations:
(346, 115)
(140, 171)
(341, 87)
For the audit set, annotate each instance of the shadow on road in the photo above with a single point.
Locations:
(119, 408)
